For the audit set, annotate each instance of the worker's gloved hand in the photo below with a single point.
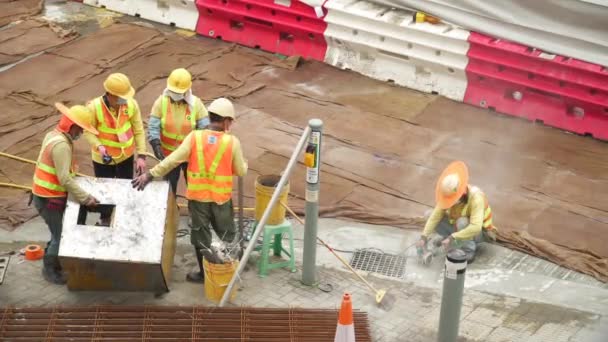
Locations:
(140, 165)
(105, 157)
(141, 181)
(158, 152)
(446, 243)
(91, 201)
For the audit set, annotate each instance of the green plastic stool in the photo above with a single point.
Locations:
(276, 232)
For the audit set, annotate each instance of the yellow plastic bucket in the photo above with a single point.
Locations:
(217, 278)
(264, 188)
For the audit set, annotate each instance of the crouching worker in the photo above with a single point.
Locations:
(462, 217)
(54, 180)
(214, 156)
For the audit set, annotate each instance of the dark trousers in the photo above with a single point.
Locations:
(51, 210)
(207, 216)
(122, 170)
(173, 176)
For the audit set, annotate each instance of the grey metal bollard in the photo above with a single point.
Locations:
(451, 298)
(313, 163)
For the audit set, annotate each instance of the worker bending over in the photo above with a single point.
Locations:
(54, 180)
(175, 114)
(462, 216)
(214, 156)
(121, 133)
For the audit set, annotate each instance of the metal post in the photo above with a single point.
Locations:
(451, 299)
(313, 161)
(259, 227)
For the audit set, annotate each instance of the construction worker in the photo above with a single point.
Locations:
(462, 216)
(121, 134)
(54, 180)
(213, 157)
(174, 115)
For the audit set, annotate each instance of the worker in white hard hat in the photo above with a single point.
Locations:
(462, 216)
(175, 113)
(214, 156)
(121, 135)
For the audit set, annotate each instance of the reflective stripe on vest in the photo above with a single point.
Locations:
(210, 167)
(116, 134)
(172, 134)
(487, 216)
(46, 183)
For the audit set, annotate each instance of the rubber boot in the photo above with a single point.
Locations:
(197, 277)
(50, 272)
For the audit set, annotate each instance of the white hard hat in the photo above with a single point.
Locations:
(222, 107)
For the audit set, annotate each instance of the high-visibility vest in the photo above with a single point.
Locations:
(116, 134)
(466, 212)
(46, 183)
(210, 167)
(172, 135)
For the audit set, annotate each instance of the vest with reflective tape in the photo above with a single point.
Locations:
(466, 209)
(210, 167)
(116, 134)
(174, 130)
(46, 183)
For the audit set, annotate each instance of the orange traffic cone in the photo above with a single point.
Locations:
(345, 332)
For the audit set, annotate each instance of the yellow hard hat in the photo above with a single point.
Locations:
(222, 107)
(79, 115)
(179, 81)
(119, 85)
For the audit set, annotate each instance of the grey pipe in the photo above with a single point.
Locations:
(273, 201)
(451, 298)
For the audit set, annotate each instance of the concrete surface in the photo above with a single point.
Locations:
(500, 304)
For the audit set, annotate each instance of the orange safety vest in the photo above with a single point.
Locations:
(116, 134)
(172, 135)
(466, 212)
(210, 167)
(46, 183)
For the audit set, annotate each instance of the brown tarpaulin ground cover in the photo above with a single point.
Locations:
(384, 146)
(12, 10)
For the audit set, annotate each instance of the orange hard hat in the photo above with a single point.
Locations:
(452, 184)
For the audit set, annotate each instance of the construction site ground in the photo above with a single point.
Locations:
(384, 146)
(509, 296)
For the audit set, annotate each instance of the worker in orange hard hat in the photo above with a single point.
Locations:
(462, 216)
(175, 113)
(54, 180)
(214, 156)
(121, 134)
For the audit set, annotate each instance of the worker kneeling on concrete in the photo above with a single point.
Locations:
(175, 114)
(214, 156)
(462, 217)
(54, 180)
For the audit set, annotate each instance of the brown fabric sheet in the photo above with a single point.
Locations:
(384, 146)
(29, 37)
(13, 10)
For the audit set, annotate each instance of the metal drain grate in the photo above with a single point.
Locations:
(371, 260)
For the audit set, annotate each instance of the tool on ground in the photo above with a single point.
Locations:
(3, 266)
(378, 293)
(33, 252)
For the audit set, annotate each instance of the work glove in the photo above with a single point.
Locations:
(91, 201)
(158, 152)
(140, 165)
(105, 157)
(141, 181)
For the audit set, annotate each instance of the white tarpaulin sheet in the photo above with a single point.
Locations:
(572, 28)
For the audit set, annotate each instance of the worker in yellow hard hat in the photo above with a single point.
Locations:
(121, 134)
(462, 216)
(175, 113)
(213, 156)
(54, 180)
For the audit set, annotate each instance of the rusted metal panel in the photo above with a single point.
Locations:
(135, 253)
(171, 323)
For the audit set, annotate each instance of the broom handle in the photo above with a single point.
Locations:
(241, 211)
(331, 249)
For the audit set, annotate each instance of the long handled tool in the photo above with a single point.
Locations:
(241, 216)
(379, 293)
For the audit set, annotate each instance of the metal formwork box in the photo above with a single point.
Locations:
(135, 253)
